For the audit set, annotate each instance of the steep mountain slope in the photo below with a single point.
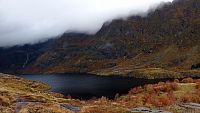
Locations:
(165, 41)
(17, 58)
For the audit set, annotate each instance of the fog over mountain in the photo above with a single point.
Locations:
(32, 21)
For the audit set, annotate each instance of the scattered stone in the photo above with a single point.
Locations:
(71, 107)
(190, 105)
(146, 110)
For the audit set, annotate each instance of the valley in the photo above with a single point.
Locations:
(139, 64)
(164, 44)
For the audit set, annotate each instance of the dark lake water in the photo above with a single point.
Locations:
(84, 86)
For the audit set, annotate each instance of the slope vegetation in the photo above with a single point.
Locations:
(165, 42)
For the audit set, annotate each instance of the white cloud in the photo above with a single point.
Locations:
(31, 21)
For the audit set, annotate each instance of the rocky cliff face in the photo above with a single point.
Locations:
(166, 39)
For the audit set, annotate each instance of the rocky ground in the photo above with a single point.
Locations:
(23, 96)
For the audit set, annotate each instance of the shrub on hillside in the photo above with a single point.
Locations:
(160, 87)
(136, 90)
(165, 87)
(198, 84)
(191, 97)
(187, 80)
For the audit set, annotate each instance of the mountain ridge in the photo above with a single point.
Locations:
(165, 40)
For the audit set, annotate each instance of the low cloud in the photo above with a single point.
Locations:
(33, 21)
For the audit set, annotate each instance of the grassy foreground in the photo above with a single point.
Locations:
(23, 96)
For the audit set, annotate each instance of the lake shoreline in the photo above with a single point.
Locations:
(144, 73)
(87, 86)
(24, 94)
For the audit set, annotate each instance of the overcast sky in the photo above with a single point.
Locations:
(31, 21)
